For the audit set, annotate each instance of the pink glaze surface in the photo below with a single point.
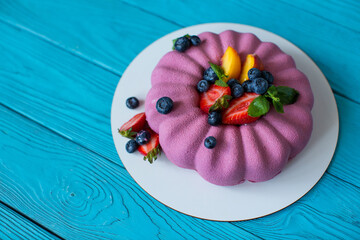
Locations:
(254, 152)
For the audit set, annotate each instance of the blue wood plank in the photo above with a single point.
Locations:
(75, 191)
(315, 216)
(64, 83)
(108, 33)
(114, 32)
(78, 194)
(76, 103)
(37, 79)
(15, 226)
(346, 160)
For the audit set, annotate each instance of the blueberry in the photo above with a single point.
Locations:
(131, 146)
(231, 82)
(260, 85)
(214, 118)
(268, 76)
(210, 75)
(195, 40)
(254, 73)
(132, 102)
(142, 137)
(210, 142)
(248, 86)
(237, 90)
(203, 86)
(164, 105)
(182, 44)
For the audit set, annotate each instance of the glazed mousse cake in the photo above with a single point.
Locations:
(227, 105)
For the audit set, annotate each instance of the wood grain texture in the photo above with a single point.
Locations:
(67, 94)
(80, 195)
(88, 196)
(14, 226)
(346, 160)
(115, 32)
(60, 63)
(73, 97)
(316, 215)
(107, 33)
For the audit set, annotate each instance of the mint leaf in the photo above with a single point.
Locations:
(259, 106)
(287, 95)
(278, 106)
(218, 71)
(272, 93)
(221, 83)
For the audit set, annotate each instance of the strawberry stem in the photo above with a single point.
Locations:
(152, 155)
(127, 133)
(221, 103)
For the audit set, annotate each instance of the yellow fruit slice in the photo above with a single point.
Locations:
(251, 61)
(231, 63)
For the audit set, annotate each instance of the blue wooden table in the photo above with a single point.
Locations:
(60, 61)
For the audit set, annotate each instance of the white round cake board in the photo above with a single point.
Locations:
(184, 190)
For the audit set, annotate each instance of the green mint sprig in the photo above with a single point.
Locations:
(278, 96)
(218, 71)
(221, 83)
(174, 40)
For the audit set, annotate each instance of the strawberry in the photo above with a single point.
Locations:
(216, 98)
(151, 149)
(237, 111)
(134, 125)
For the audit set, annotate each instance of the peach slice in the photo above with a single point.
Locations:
(231, 63)
(251, 61)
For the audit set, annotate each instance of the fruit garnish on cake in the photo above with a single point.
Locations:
(231, 64)
(221, 90)
(230, 93)
(221, 104)
(143, 138)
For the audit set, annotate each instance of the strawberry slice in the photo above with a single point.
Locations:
(134, 125)
(217, 96)
(151, 149)
(237, 111)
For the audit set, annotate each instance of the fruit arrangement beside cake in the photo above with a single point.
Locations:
(211, 112)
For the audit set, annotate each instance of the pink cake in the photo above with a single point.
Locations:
(255, 152)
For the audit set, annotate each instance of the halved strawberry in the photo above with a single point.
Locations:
(151, 149)
(134, 125)
(210, 97)
(237, 113)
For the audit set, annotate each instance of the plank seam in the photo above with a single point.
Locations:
(344, 96)
(311, 13)
(232, 223)
(151, 13)
(331, 174)
(31, 220)
(63, 48)
(60, 134)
